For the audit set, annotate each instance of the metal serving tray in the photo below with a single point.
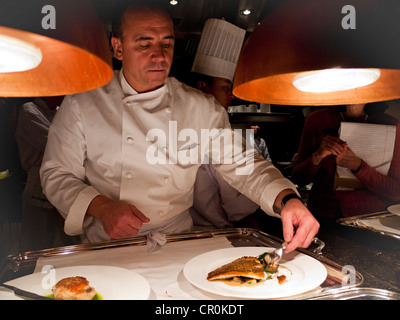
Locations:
(338, 276)
(384, 223)
(356, 294)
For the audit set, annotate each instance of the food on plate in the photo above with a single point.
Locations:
(73, 288)
(247, 271)
(250, 271)
(269, 264)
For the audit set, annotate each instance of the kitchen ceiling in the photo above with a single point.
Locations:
(189, 15)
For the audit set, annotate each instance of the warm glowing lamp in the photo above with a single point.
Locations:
(313, 52)
(51, 48)
(17, 55)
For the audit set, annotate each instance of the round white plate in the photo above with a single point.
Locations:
(111, 283)
(307, 274)
(395, 209)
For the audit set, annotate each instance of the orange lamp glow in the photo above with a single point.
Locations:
(313, 52)
(72, 55)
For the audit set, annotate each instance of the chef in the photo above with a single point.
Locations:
(215, 202)
(98, 171)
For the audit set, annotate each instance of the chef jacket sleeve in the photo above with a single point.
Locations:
(248, 172)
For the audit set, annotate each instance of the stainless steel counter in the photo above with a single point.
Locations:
(371, 259)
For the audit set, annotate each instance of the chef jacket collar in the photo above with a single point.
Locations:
(126, 87)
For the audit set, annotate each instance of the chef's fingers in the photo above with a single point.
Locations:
(129, 228)
(123, 230)
(125, 224)
(304, 235)
(287, 228)
(138, 214)
(129, 224)
(133, 225)
(296, 241)
(307, 227)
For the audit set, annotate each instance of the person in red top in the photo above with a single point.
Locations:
(321, 150)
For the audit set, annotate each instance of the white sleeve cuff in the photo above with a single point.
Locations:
(77, 219)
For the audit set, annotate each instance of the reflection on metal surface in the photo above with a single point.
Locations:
(356, 294)
(384, 223)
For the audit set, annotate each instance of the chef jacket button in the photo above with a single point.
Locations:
(130, 140)
(160, 213)
(168, 110)
(129, 175)
(166, 179)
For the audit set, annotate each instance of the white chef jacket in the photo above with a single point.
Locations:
(215, 202)
(97, 146)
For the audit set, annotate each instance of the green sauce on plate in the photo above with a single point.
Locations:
(96, 297)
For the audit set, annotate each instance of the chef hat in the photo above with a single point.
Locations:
(219, 49)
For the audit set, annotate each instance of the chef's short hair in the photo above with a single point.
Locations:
(123, 8)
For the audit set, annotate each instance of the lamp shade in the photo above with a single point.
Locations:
(61, 46)
(304, 40)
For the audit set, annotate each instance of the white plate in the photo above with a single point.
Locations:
(395, 209)
(307, 274)
(111, 283)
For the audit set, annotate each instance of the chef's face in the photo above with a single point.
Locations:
(146, 49)
(221, 89)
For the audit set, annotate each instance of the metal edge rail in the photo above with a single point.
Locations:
(237, 236)
(355, 223)
(336, 279)
(26, 260)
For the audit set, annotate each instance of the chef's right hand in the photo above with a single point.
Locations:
(120, 220)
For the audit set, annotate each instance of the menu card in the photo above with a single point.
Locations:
(374, 143)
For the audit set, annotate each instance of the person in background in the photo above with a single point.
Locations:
(321, 150)
(260, 144)
(42, 225)
(12, 181)
(96, 169)
(12, 176)
(219, 87)
(215, 202)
